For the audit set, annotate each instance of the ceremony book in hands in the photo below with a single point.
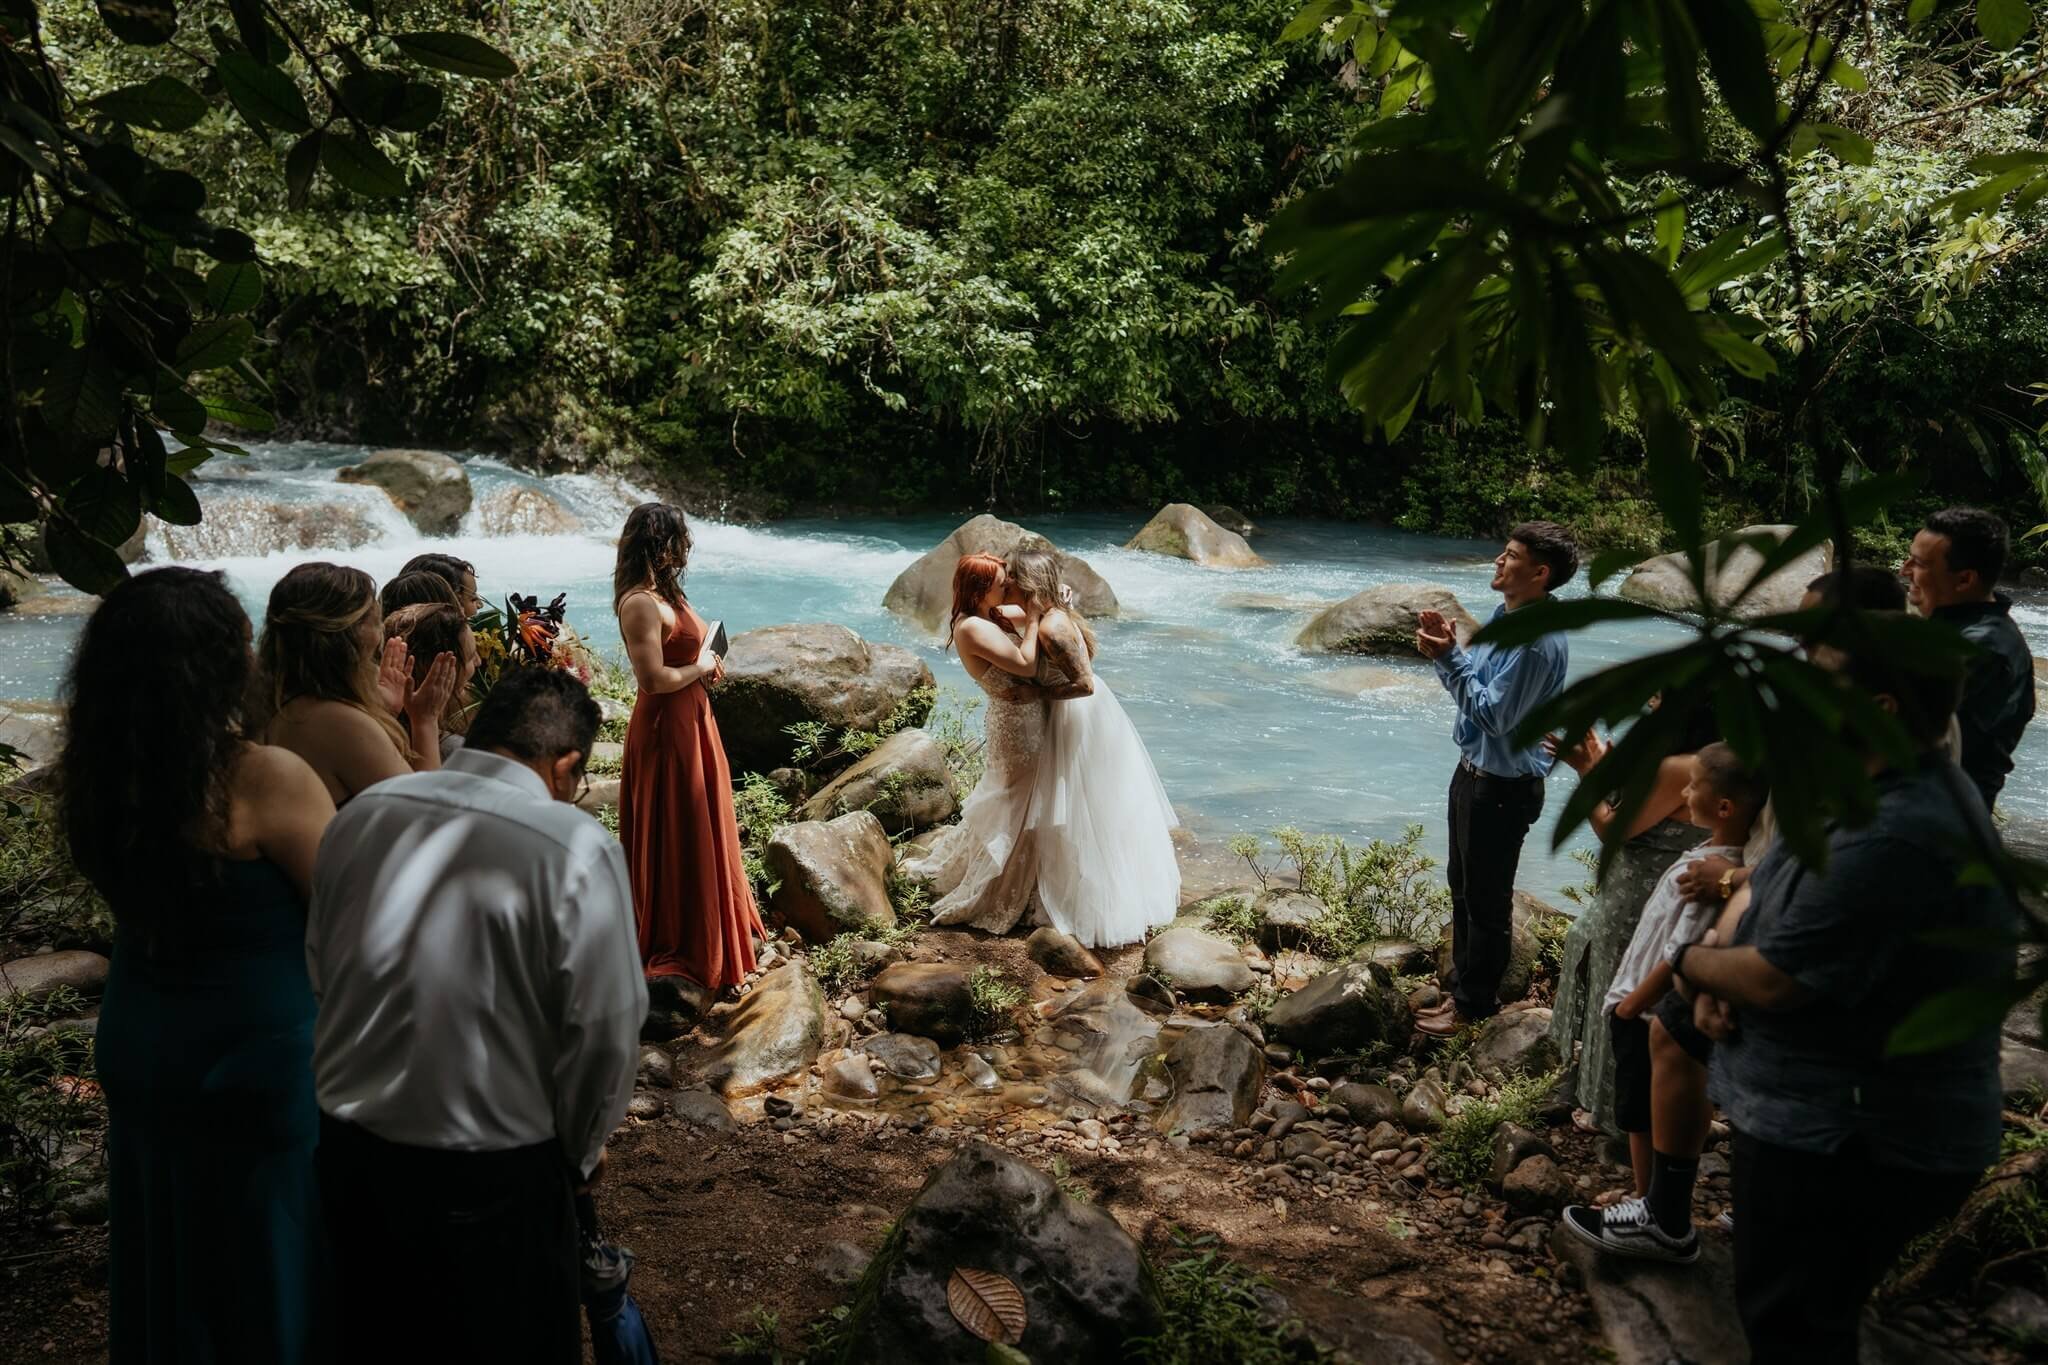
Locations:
(714, 639)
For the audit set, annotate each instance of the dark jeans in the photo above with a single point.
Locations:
(1813, 1236)
(1490, 816)
(444, 1255)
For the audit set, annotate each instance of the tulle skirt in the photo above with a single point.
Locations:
(1099, 826)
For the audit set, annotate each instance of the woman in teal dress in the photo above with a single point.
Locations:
(202, 844)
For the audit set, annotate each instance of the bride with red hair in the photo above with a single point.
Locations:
(984, 869)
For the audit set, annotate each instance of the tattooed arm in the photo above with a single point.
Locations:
(1068, 652)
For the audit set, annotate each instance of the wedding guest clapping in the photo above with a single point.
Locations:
(471, 943)
(429, 632)
(202, 843)
(335, 687)
(1497, 788)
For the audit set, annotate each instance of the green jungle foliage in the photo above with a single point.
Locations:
(829, 253)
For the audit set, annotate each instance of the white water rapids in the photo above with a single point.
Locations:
(1248, 732)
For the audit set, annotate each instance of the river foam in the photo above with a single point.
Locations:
(1248, 731)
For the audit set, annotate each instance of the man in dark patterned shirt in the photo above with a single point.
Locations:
(1844, 1152)
(1952, 576)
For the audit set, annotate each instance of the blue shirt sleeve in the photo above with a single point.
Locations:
(1520, 683)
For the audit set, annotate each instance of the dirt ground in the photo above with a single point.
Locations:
(723, 1225)
(727, 1226)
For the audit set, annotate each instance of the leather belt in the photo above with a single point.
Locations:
(1469, 766)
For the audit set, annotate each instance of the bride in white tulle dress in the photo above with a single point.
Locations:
(1070, 816)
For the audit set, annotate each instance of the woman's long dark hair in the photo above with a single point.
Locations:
(419, 588)
(654, 548)
(449, 568)
(155, 698)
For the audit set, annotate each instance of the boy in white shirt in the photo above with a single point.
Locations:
(1722, 798)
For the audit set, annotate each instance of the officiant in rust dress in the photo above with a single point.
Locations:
(690, 895)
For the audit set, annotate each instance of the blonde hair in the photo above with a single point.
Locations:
(1037, 573)
(309, 646)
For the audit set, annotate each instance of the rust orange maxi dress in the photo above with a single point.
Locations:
(690, 894)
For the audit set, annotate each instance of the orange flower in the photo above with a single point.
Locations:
(76, 1088)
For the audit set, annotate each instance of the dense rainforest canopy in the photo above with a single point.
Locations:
(835, 253)
(1657, 268)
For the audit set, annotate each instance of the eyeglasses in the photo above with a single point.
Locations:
(582, 787)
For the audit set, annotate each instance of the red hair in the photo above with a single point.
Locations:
(972, 579)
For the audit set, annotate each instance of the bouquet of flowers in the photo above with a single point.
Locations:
(526, 635)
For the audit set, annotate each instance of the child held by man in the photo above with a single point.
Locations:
(1722, 798)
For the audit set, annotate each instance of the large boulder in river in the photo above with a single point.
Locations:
(430, 488)
(905, 783)
(244, 526)
(1349, 1008)
(1230, 519)
(522, 511)
(774, 1034)
(1217, 1073)
(1081, 1284)
(1186, 532)
(780, 676)
(832, 876)
(1665, 582)
(1382, 620)
(924, 591)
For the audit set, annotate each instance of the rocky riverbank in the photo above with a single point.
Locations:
(1223, 1144)
(1201, 1096)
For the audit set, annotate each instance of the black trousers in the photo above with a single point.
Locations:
(1813, 1236)
(1490, 817)
(444, 1256)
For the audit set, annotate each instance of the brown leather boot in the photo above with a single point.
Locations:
(1441, 1022)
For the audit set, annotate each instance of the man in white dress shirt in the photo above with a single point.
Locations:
(472, 944)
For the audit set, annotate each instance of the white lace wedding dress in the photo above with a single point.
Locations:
(1100, 823)
(984, 869)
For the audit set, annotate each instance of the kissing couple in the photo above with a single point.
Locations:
(1069, 820)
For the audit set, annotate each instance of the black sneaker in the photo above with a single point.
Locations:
(1627, 1229)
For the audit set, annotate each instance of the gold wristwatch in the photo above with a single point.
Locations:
(1727, 883)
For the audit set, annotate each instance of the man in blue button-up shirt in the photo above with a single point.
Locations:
(1497, 791)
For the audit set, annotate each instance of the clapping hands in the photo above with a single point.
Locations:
(1582, 757)
(1433, 634)
(420, 704)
